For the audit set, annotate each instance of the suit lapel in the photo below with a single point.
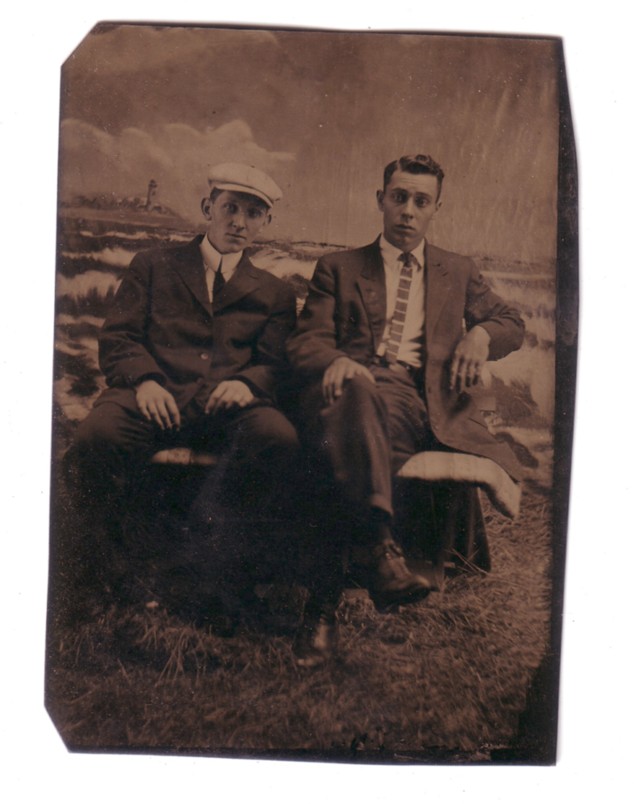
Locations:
(191, 269)
(437, 288)
(371, 284)
(245, 279)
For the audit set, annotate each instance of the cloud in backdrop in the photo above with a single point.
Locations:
(175, 155)
(322, 112)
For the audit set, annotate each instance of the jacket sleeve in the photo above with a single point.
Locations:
(313, 345)
(486, 309)
(123, 356)
(270, 364)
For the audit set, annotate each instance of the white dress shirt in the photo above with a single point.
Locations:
(410, 346)
(212, 259)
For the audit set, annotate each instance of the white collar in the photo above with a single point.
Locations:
(391, 254)
(212, 257)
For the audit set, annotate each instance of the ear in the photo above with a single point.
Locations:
(380, 197)
(438, 205)
(205, 206)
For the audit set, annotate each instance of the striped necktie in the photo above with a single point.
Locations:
(402, 295)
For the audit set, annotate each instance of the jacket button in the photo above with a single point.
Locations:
(204, 356)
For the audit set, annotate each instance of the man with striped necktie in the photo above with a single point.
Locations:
(391, 337)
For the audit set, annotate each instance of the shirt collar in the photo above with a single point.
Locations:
(391, 254)
(212, 257)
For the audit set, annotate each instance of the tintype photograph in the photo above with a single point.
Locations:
(316, 327)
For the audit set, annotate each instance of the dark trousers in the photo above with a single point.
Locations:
(360, 442)
(368, 433)
(246, 490)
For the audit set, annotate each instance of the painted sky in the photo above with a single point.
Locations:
(323, 113)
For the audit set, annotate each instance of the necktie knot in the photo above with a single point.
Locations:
(408, 260)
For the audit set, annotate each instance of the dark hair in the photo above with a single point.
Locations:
(420, 163)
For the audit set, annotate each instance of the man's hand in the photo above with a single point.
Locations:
(340, 370)
(157, 404)
(468, 359)
(229, 394)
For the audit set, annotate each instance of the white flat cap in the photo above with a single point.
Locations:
(244, 179)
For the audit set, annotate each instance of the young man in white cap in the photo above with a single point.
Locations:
(193, 352)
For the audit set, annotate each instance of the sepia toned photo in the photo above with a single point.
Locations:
(316, 328)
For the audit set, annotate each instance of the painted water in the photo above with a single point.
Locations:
(518, 397)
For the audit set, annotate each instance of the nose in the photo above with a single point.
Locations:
(238, 220)
(408, 208)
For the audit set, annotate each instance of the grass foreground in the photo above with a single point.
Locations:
(444, 680)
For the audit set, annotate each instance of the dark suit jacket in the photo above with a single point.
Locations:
(345, 315)
(162, 326)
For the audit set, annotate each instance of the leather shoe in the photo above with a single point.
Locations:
(315, 640)
(391, 581)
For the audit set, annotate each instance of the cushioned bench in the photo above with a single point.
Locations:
(432, 467)
(443, 513)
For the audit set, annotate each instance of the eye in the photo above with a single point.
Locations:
(231, 208)
(255, 213)
(422, 201)
(399, 197)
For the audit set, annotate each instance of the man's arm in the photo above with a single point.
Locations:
(123, 356)
(313, 345)
(157, 404)
(494, 329)
(468, 359)
(335, 376)
(486, 309)
(313, 348)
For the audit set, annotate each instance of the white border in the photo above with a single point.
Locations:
(596, 723)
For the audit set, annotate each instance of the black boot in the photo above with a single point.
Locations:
(315, 640)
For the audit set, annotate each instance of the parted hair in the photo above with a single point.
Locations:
(418, 163)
